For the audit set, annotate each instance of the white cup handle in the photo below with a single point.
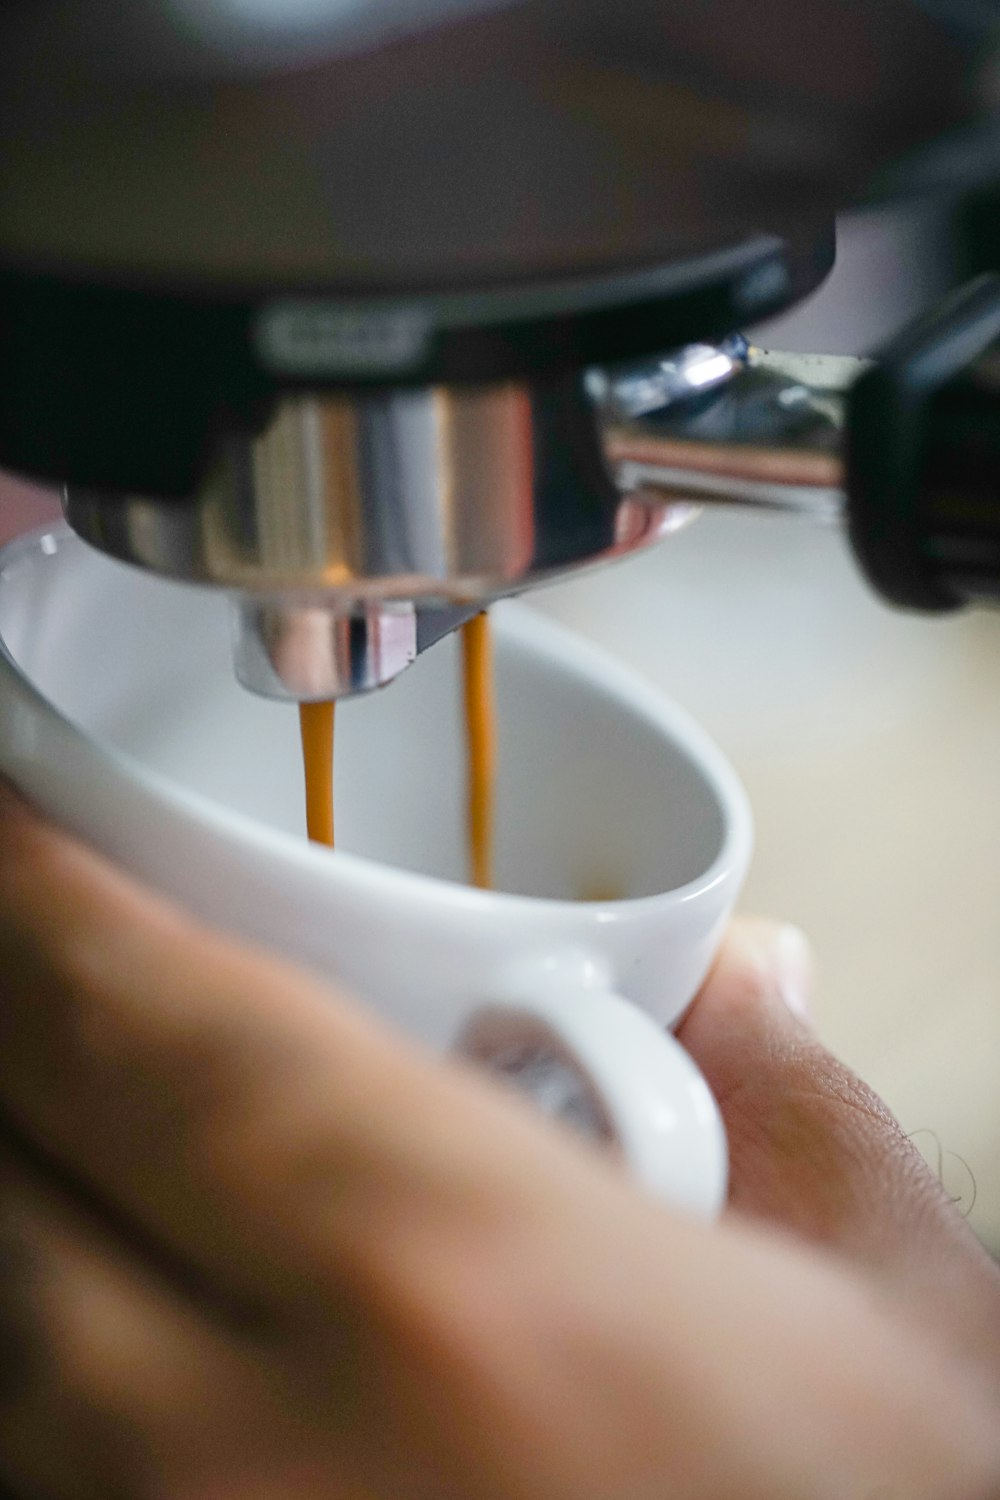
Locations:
(602, 1065)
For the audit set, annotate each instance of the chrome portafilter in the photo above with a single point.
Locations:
(357, 528)
(362, 472)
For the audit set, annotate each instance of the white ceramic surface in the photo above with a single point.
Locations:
(120, 717)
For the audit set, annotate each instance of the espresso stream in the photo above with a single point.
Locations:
(316, 723)
(481, 744)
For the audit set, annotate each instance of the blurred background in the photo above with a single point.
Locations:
(867, 740)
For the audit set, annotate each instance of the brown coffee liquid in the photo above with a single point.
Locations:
(316, 724)
(480, 740)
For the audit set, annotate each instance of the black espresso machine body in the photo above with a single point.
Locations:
(370, 313)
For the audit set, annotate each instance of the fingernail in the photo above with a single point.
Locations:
(794, 970)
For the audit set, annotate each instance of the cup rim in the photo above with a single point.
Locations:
(199, 811)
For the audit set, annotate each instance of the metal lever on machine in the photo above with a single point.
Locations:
(904, 447)
(735, 425)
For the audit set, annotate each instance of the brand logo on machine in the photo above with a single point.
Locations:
(316, 338)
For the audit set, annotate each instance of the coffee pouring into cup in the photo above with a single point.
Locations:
(425, 351)
(122, 718)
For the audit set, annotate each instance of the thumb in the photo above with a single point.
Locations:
(816, 1152)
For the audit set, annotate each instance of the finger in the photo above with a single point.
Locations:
(117, 1387)
(231, 1110)
(815, 1150)
(297, 1119)
(107, 1362)
(129, 1038)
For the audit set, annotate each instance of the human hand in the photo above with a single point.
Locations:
(24, 505)
(257, 1246)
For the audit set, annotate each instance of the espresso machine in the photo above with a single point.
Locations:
(369, 312)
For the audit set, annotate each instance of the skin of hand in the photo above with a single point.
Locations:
(24, 505)
(257, 1247)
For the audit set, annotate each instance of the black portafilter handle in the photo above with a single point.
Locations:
(923, 457)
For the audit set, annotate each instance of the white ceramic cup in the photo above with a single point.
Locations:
(623, 836)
